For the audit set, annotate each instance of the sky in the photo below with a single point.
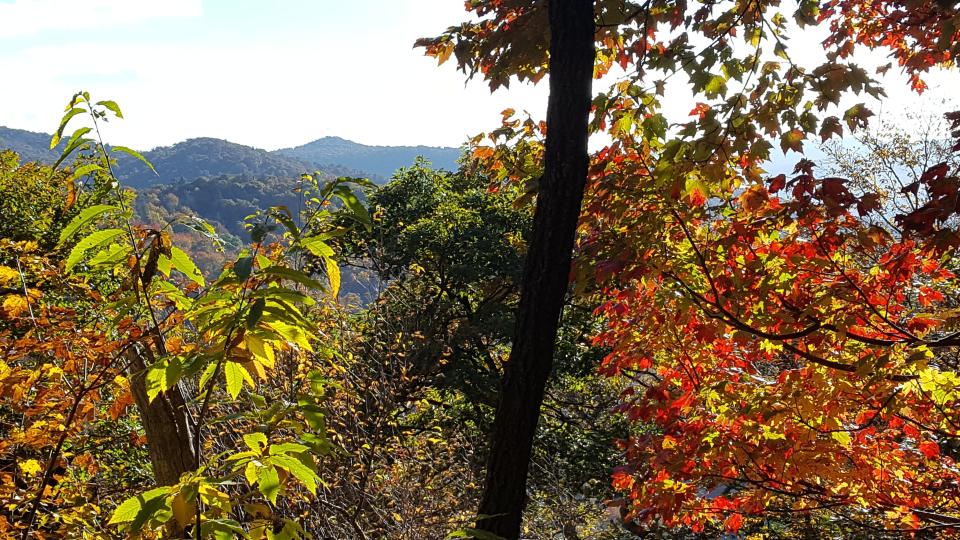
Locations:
(265, 74)
(269, 74)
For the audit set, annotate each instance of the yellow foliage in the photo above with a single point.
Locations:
(30, 467)
(8, 276)
(15, 305)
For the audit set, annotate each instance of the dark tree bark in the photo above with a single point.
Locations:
(166, 422)
(546, 274)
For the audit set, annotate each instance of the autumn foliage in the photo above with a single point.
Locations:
(773, 351)
(789, 340)
(793, 355)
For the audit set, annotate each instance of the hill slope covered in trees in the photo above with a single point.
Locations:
(208, 157)
(381, 160)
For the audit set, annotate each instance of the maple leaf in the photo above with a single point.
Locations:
(700, 110)
(928, 296)
(754, 198)
(792, 140)
(733, 523)
(929, 449)
(778, 182)
(831, 126)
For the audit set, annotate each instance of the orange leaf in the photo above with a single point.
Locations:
(929, 449)
(733, 523)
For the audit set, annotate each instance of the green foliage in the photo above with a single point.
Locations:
(38, 202)
(451, 250)
(259, 352)
(224, 340)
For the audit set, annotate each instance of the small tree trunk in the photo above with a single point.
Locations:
(546, 274)
(167, 424)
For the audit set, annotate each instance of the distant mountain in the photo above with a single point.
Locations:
(30, 145)
(187, 160)
(195, 158)
(379, 160)
(223, 199)
(209, 157)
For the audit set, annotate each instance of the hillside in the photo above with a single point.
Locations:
(380, 160)
(208, 157)
(224, 200)
(31, 146)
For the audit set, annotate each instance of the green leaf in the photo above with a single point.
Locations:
(259, 231)
(113, 255)
(792, 140)
(137, 509)
(282, 214)
(236, 374)
(76, 141)
(294, 275)
(205, 377)
(313, 414)
(182, 262)
(135, 154)
(255, 441)
(293, 334)
(716, 86)
(283, 294)
(287, 448)
(857, 116)
(830, 127)
(162, 376)
(80, 172)
(476, 534)
(301, 472)
(89, 242)
(55, 140)
(261, 351)
(357, 210)
(173, 293)
(78, 98)
(83, 218)
(256, 311)
(317, 246)
(243, 267)
(269, 483)
(221, 529)
(655, 127)
(112, 106)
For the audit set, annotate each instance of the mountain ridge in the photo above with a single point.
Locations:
(382, 160)
(209, 156)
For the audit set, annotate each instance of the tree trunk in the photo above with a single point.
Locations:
(546, 274)
(167, 424)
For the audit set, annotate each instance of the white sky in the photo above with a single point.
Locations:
(265, 74)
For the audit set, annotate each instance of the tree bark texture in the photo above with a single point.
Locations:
(166, 422)
(546, 274)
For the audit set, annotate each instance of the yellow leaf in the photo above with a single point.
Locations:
(841, 437)
(14, 305)
(771, 435)
(30, 467)
(8, 275)
(262, 352)
(183, 511)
